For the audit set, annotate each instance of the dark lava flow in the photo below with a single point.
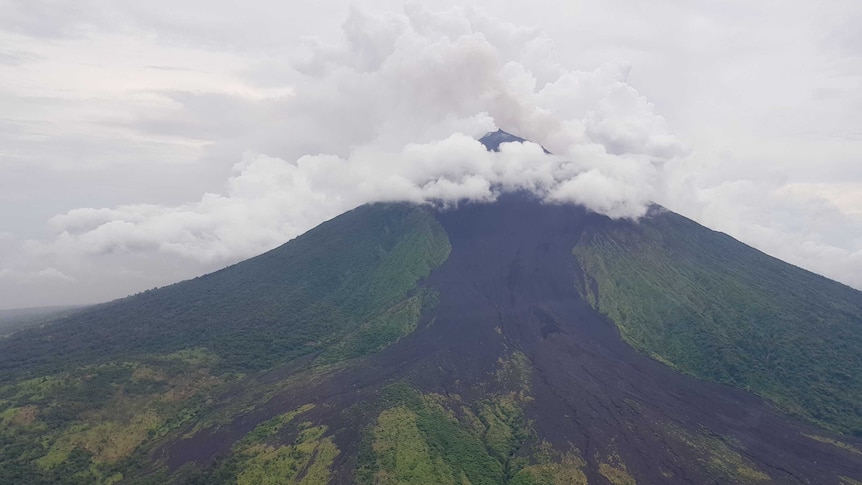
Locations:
(509, 284)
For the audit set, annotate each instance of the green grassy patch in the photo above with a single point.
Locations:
(617, 476)
(280, 451)
(268, 429)
(552, 468)
(718, 455)
(429, 438)
(403, 454)
(84, 426)
(307, 463)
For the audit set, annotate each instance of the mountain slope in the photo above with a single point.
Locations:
(293, 300)
(514, 378)
(401, 344)
(723, 311)
(81, 399)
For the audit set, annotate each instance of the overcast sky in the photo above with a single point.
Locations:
(142, 143)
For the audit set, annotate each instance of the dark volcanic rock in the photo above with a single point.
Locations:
(493, 140)
(511, 267)
(509, 284)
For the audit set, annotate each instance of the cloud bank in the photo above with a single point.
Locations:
(236, 146)
(403, 99)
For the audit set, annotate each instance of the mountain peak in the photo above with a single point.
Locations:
(513, 342)
(492, 140)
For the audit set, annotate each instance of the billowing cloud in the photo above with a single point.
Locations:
(393, 92)
(390, 109)
(814, 226)
(269, 200)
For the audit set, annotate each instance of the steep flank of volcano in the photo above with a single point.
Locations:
(710, 306)
(486, 344)
(297, 299)
(513, 377)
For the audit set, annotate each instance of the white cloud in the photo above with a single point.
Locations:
(395, 89)
(270, 200)
(370, 115)
(815, 226)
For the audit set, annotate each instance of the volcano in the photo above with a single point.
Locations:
(513, 342)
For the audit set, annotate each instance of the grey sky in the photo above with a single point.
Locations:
(146, 142)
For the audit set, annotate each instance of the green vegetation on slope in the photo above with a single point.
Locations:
(87, 425)
(381, 330)
(429, 438)
(552, 468)
(281, 451)
(435, 439)
(293, 300)
(85, 399)
(710, 306)
(717, 455)
(306, 461)
(403, 454)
